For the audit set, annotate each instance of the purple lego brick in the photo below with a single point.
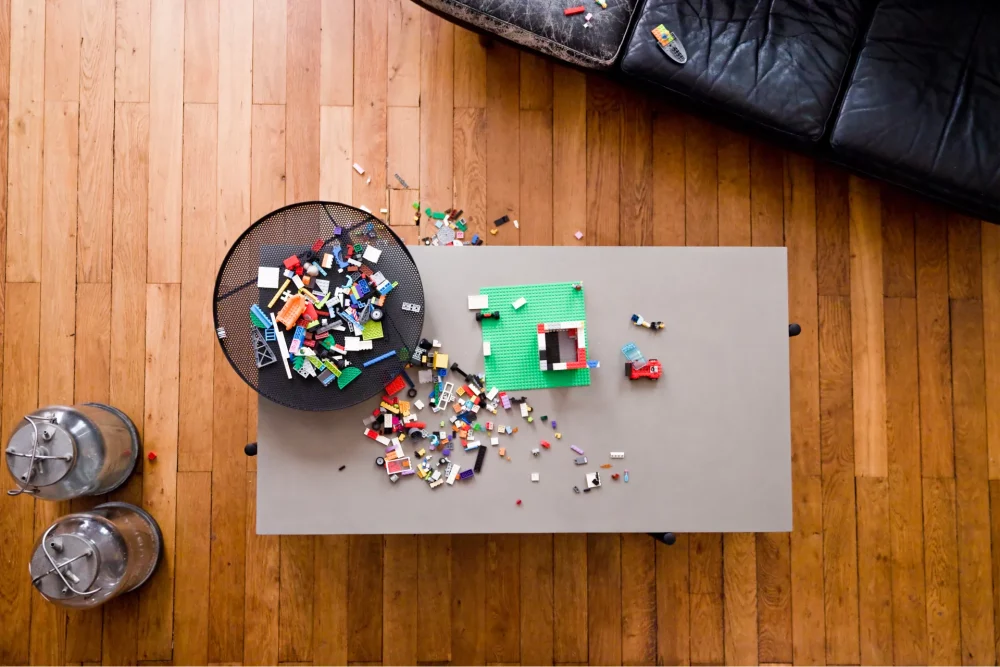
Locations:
(576, 449)
(446, 452)
(466, 474)
(553, 424)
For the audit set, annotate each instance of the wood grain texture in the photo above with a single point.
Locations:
(802, 235)
(370, 146)
(701, 196)
(673, 603)
(874, 571)
(604, 129)
(364, 598)
(909, 625)
(840, 553)
(638, 599)
(867, 330)
(403, 138)
(898, 249)
(330, 626)
(971, 485)
(434, 593)
(201, 51)
(198, 221)
(635, 226)
(833, 251)
(469, 163)
(166, 115)
(669, 177)
(536, 82)
(62, 51)
(740, 591)
(24, 186)
(774, 598)
(336, 154)
(537, 610)
(503, 599)
(399, 601)
(707, 609)
(97, 127)
(437, 119)
(734, 189)
(261, 617)
(295, 602)
(934, 345)
(964, 258)
(192, 563)
(569, 153)
(20, 360)
(503, 153)
(535, 192)
(159, 478)
(132, 42)
(604, 600)
(991, 352)
(570, 598)
(809, 620)
(302, 131)
(270, 19)
(404, 53)
(767, 167)
(470, 70)
(337, 53)
(468, 599)
(941, 572)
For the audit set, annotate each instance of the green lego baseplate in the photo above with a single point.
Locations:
(513, 361)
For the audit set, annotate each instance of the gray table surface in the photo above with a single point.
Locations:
(707, 446)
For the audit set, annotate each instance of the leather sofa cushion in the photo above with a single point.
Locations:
(923, 106)
(779, 64)
(540, 25)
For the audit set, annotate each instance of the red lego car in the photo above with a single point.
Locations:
(652, 370)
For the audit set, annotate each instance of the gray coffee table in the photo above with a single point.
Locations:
(707, 446)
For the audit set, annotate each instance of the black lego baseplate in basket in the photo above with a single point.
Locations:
(293, 231)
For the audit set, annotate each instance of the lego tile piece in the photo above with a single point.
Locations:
(371, 254)
(534, 477)
(479, 301)
(268, 277)
(514, 362)
(519, 302)
(487, 348)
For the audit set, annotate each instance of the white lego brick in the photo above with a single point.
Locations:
(541, 342)
(418, 404)
(536, 451)
(268, 277)
(323, 285)
(519, 302)
(372, 254)
(352, 343)
(561, 366)
(471, 444)
(298, 282)
(358, 168)
(354, 262)
(365, 345)
(544, 365)
(399, 447)
(524, 410)
(492, 393)
(534, 477)
(581, 338)
(494, 441)
(382, 440)
(435, 484)
(617, 455)
(479, 301)
(453, 473)
(486, 348)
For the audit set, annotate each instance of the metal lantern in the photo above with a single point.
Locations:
(60, 452)
(83, 560)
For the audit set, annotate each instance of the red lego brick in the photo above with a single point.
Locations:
(291, 262)
(574, 10)
(397, 385)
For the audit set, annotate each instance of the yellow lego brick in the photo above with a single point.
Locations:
(440, 360)
(394, 409)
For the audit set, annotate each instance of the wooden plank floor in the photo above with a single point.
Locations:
(140, 137)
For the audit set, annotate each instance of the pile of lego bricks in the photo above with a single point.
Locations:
(318, 309)
(450, 224)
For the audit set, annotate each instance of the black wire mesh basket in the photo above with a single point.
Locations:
(296, 230)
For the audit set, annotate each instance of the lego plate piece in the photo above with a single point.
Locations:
(514, 362)
(479, 301)
(371, 254)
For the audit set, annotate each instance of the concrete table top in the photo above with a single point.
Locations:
(707, 446)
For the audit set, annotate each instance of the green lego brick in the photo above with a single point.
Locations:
(372, 330)
(513, 361)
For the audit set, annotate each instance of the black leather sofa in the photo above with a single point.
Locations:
(907, 91)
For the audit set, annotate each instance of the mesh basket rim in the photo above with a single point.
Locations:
(217, 298)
